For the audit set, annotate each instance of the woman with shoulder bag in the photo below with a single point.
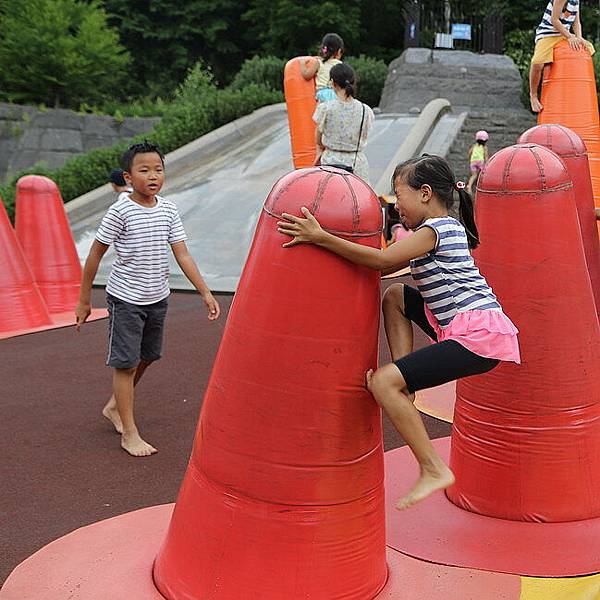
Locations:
(343, 125)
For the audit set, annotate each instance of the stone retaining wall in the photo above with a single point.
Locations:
(29, 135)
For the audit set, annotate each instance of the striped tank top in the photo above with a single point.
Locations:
(567, 18)
(447, 277)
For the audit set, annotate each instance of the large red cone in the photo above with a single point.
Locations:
(570, 147)
(45, 236)
(283, 496)
(22, 304)
(526, 438)
(569, 98)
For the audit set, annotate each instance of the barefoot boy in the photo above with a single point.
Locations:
(561, 20)
(140, 225)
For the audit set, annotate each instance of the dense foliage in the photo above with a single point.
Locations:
(59, 52)
(199, 107)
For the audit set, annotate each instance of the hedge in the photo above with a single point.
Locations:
(198, 107)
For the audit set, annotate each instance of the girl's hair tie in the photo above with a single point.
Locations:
(459, 185)
(324, 49)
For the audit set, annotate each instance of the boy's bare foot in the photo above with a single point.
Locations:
(111, 412)
(536, 105)
(431, 480)
(135, 445)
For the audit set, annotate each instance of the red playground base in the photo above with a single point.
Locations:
(113, 559)
(65, 319)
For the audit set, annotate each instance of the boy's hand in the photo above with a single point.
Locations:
(82, 312)
(302, 230)
(214, 310)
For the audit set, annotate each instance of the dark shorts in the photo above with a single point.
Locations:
(135, 332)
(441, 362)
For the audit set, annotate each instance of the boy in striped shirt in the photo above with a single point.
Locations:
(140, 225)
(560, 21)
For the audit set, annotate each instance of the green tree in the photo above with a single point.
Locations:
(167, 37)
(59, 52)
(287, 28)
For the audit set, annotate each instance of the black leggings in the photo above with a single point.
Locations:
(441, 362)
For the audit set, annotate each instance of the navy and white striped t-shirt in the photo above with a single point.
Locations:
(447, 277)
(141, 236)
(567, 18)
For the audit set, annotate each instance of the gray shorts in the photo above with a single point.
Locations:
(135, 332)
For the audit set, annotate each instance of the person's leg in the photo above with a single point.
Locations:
(131, 441)
(389, 389)
(403, 305)
(110, 410)
(535, 77)
(398, 327)
(472, 180)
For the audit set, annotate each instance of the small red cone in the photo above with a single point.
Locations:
(526, 438)
(22, 304)
(570, 147)
(45, 236)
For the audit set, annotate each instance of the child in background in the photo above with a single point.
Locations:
(117, 180)
(560, 21)
(452, 304)
(332, 49)
(140, 225)
(478, 157)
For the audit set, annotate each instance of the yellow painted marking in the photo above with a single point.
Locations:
(567, 588)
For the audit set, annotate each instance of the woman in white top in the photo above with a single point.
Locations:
(340, 122)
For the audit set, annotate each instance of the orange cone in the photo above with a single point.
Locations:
(283, 496)
(526, 438)
(569, 98)
(570, 147)
(45, 236)
(301, 104)
(22, 304)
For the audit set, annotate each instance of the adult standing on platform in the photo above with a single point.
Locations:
(343, 125)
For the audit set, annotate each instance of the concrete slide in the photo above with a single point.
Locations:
(221, 180)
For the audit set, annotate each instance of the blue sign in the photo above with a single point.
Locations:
(461, 31)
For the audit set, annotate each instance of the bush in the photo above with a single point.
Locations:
(199, 107)
(519, 44)
(370, 75)
(266, 71)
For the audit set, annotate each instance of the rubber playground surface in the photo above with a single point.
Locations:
(62, 465)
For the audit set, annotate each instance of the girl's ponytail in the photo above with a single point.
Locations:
(466, 214)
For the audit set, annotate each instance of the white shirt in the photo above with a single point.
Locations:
(141, 236)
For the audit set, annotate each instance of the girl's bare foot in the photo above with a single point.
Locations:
(111, 412)
(536, 105)
(432, 479)
(135, 445)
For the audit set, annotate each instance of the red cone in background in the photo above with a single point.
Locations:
(569, 98)
(570, 147)
(526, 438)
(22, 304)
(283, 496)
(45, 236)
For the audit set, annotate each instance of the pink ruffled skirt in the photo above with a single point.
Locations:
(488, 333)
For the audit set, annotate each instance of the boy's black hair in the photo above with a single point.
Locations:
(343, 76)
(331, 43)
(435, 172)
(140, 148)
